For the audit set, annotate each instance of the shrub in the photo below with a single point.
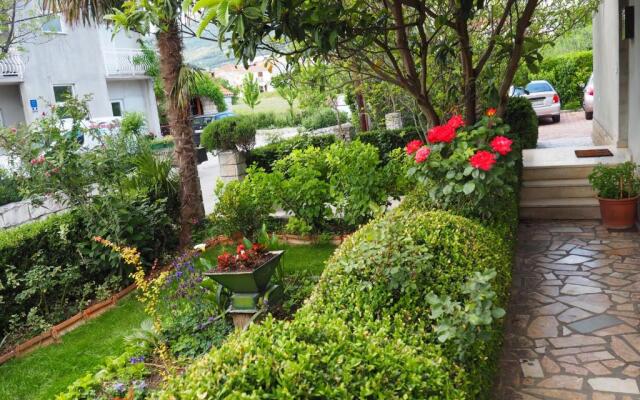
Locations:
(388, 140)
(243, 206)
(133, 124)
(323, 118)
(271, 120)
(264, 157)
(229, 133)
(368, 316)
(567, 73)
(8, 188)
(50, 269)
(523, 121)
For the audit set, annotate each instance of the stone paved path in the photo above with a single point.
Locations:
(573, 327)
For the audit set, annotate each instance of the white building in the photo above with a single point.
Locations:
(235, 73)
(78, 60)
(616, 70)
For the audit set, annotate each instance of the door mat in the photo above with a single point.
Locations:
(593, 153)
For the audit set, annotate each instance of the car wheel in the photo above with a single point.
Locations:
(588, 114)
(556, 118)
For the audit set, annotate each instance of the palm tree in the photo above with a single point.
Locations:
(164, 15)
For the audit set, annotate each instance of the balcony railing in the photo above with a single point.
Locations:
(11, 66)
(119, 63)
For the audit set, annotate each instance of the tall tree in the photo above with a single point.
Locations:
(250, 90)
(423, 46)
(163, 16)
(20, 24)
(286, 87)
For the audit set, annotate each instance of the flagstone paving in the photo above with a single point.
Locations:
(572, 330)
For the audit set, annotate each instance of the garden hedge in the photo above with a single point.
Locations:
(523, 121)
(385, 140)
(50, 269)
(364, 331)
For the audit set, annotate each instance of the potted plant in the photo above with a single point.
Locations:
(618, 188)
(246, 273)
(230, 137)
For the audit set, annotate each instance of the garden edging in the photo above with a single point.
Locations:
(53, 335)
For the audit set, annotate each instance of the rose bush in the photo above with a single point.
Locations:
(461, 165)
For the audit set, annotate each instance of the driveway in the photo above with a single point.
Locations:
(572, 130)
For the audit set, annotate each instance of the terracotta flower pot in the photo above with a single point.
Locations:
(618, 214)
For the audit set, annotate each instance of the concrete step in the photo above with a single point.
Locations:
(556, 173)
(556, 188)
(560, 208)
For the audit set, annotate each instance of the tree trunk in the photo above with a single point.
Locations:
(191, 206)
(468, 72)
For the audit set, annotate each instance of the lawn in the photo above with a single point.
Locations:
(269, 102)
(48, 371)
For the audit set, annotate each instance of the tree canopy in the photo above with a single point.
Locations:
(438, 51)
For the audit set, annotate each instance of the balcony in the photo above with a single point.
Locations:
(119, 63)
(11, 68)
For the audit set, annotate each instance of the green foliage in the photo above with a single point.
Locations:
(244, 205)
(297, 226)
(323, 118)
(229, 133)
(8, 188)
(205, 86)
(368, 311)
(250, 90)
(51, 268)
(270, 120)
(286, 87)
(265, 156)
(388, 140)
(133, 124)
(523, 121)
(567, 73)
(615, 181)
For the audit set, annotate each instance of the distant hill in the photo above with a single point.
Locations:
(205, 54)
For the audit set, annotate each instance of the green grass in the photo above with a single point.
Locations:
(269, 102)
(310, 258)
(49, 370)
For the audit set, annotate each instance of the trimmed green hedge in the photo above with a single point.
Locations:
(364, 332)
(388, 140)
(523, 121)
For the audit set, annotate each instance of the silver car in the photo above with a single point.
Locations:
(587, 98)
(544, 98)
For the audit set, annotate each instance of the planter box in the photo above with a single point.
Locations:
(248, 282)
(232, 165)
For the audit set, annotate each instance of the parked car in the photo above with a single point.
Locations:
(544, 98)
(587, 98)
(198, 123)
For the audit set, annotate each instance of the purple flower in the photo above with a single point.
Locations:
(119, 387)
(135, 360)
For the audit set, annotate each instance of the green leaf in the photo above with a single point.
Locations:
(252, 12)
(469, 187)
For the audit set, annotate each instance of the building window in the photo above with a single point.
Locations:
(62, 92)
(117, 108)
(53, 24)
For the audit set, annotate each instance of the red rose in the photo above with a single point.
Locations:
(491, 112)
(422, 154)
(456, 121)
(441, 133)
(240, 248)
(413, 146)
(483, 160)
(501, 145)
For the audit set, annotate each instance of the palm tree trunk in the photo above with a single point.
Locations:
(191, 207)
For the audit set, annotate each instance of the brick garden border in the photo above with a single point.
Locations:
(53, 335)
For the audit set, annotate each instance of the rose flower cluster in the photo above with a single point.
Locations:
(246, 258)
(482, 159)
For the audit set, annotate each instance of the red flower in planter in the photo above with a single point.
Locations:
(240, 248)
(225, 261)
(483, 160)
(501, 145)
(413, 146)
(456, 121)
(491, 112)
(422, 154)
(441, 133)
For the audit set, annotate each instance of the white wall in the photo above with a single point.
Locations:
(10, 105)
(135, 97)
(606, 73)
(634, 86)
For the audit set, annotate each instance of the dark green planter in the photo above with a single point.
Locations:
(248, 282)
(161, 146)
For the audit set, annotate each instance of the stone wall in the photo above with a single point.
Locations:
(20, 212)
